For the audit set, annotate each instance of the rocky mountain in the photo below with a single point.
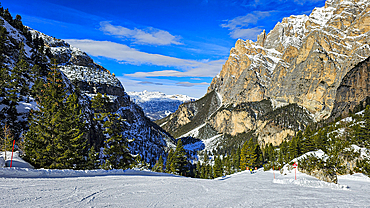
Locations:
(355, 86)
(157, 105)
(87, 78)
(288, 78)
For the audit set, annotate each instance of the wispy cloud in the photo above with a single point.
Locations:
(189, 84)
(250, 33)
(126, 55)
(196, 78)
(150, 83)
(241, 26)
(150, 35)
(169, 86)
(302, 2)
(259, 3)
(244, 21)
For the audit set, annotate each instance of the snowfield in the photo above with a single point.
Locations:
(132, 188)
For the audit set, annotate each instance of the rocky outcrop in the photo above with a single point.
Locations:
(354, 88)
(190, 115)
(302, 61)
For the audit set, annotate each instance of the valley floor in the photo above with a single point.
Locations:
(146, 189)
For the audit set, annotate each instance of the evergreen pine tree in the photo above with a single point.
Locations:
(244, 156)
(158, 167)
(72, 131)
(55, 136)
(217, 168)
(253, 153)
(209, 172)
(116, 152)
(259, 156)
(179, 159)
(198, 170)
(18, 90)
(228, 166)
(203, 171)
(362, 131)
(236, 159)
(92, 162)
(205, 158)
(169, 161)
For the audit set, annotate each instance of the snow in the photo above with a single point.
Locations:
(24, 107)
(133, 188)
(310, 183)
(219, 98)
(193, 133)
(90, 74)
(18, 162)
(321, 15)
(145, 96)
(364, 153)
(277, 103)
(14, 33)
(212, 142)
(158, 105)
(67, 173)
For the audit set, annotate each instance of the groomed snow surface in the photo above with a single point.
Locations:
(132, 188)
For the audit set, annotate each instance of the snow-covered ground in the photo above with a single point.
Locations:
(17, 161)
(146, 189)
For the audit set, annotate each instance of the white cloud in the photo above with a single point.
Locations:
(127, 55)
(244, 21)
(250, 33)
(189, 84)
(239, 26)
(151, 35)
(302, 2)
(169, 86)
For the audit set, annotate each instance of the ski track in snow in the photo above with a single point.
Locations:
(138, 189)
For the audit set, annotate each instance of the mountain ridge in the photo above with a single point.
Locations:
(302, 61)
(157, 105)
(86, 78)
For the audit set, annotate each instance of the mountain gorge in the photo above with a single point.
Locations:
(304, 70)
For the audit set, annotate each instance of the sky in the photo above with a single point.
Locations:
(175, 47)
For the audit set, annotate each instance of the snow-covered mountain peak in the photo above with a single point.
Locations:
(157, 105)
(147, 96)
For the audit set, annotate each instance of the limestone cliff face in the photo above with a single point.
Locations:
(355, 87)
(302, 60)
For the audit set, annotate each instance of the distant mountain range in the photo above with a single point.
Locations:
(157, 105)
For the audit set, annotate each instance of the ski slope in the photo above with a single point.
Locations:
(146, 189)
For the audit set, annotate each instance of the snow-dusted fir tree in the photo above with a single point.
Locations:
(179, 160)
(116, 154)
(55, 137)
(158, 167)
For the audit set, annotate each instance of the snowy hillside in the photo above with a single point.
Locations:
(157, 105)
(81, 75)
(56, 188)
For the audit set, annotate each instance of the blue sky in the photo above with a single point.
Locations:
(158, 45)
